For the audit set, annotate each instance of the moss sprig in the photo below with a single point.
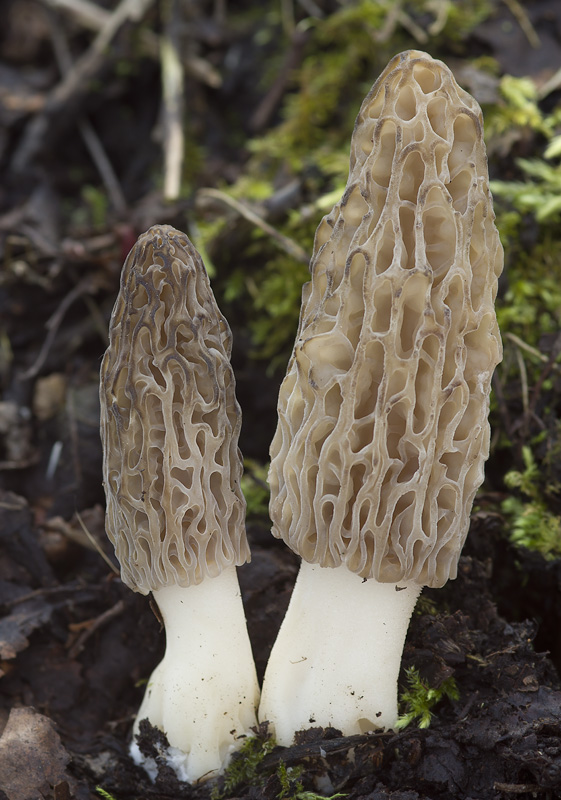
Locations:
(532, 524)
(419, 699)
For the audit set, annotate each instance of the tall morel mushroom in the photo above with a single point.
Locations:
(383, 432)
(175, 512)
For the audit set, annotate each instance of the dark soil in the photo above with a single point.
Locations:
(74, 642)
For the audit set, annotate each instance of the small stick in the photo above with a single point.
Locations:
(517, 788)
(312, 8)
(533, 350)
(172, 84)
(503, 407)
(76, 84)
(523, 381)
(548, 368)
(94, 18)
(266, 108)
(47, 591)
(292, 248)
(104, 166)
(520, 15)
(86, 286)
(94, 625)
(86, 13)
(411, 27)
(90, 137)
(95, 544)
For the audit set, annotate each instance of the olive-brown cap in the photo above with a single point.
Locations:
(170, 422)
(383, 430)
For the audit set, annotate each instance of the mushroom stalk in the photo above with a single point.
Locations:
(341, 636)
(204, 692)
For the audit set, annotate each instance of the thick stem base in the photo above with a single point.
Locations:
(337, 656)
(204, 693)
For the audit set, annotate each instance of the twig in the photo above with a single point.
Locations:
(550, 85)
(104, 166)
(54, 459)
(99, 321)
(290, 247)
(503, 407)
(74, 440)
(50, 590)
(520, 15)
(94, 18)
(389, 23)
(548, 368)
(219, 11)
(202, 70)
(89, 627)
(74, 87)
(411, 27)
(269, 103)
(440, 10)
(90, 137)
(172, 85)
(86, 286)
(312, 8)
(529, 404)
(324, 747)
(95, 544)
(524, 346)
(517, 788)
(287, 16)
(523, 381)
(88, 14)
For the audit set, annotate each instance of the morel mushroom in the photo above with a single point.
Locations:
(383, 431)
(175, 512)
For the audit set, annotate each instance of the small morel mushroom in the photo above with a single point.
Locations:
(383, 432)
(175, 512)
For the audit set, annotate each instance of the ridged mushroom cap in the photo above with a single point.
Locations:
(383, 430)
(170, 422)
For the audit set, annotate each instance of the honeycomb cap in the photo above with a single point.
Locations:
(383, 431)
(170, 422)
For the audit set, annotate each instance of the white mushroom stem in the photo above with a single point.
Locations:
(337, 656)
(204, 693)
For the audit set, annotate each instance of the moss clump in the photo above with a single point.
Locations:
(292, 787)
(532, 524)
(419, 699)
(244, 766)
(531, 304)
(255, 488)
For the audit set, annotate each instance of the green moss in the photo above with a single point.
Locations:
(539, 195)
(518, 107)
(102, 793)
(289, 779)
(531, 304)
(532, 524)
(292, 787)
(95, 210)
(255, 488)
(425, 605)
(244, 766)
(419, 699)
(519, 114)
